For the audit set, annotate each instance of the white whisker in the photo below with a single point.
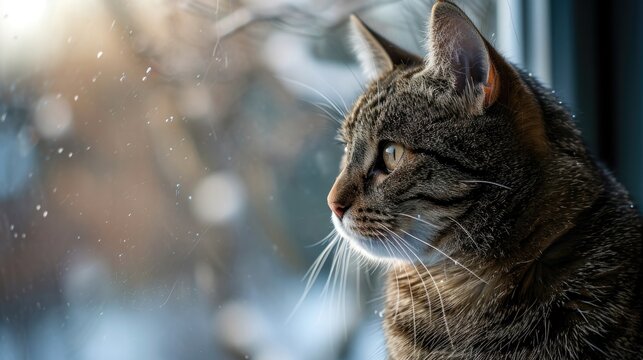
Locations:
(331, 102)
(426, 290)
(420, 220)
(343, 286)
(408, 279)
(437, 289)
(447, 256)
(397, 283)
(328, 114)
(341, 98)
(486, 182)
(331, 235)
(314, 270)
(465, 231)
(437, 249)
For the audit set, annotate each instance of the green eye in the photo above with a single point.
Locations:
(392, 155)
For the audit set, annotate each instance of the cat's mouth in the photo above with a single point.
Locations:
(360, 243)
(380, 242)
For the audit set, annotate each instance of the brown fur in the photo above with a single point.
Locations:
(542, 248)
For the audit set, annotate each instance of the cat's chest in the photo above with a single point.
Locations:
(433, 314)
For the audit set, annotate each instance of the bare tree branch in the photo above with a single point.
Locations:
(312, 20)
(335, 13)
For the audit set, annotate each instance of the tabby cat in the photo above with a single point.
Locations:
(504, 238)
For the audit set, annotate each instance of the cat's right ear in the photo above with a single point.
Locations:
(375, 53)
(458, 50)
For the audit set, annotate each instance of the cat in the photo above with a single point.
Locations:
(503, 237)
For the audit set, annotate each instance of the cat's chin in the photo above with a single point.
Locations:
(386, 250)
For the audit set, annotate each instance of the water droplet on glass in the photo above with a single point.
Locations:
(229, 192)
(60, 150)
(45, 213)
(38, 207)
(149, 69)
(75, 97)
(99, 55)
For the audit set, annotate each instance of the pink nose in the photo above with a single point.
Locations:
(338, 209)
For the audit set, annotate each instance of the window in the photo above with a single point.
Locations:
(164, 164)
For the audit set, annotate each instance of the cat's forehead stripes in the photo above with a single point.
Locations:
(403, 106)
(369, 112)
(360, 153)
(365, 112)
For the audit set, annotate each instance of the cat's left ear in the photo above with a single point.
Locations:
(458, 50)
(375, 53)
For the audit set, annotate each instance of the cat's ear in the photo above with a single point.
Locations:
(375, 53)
(457, 49)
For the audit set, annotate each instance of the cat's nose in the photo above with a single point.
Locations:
(338, 209)
(342, 194)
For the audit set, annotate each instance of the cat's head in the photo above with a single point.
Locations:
(440, 151)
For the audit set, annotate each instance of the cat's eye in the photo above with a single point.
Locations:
(392, 155)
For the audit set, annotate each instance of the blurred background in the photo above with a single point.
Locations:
(164, 164)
